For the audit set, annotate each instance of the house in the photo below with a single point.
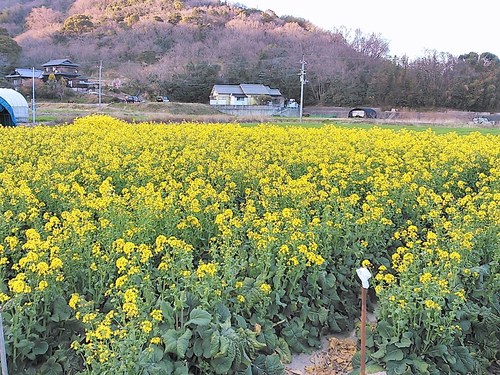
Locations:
(245, 95)
(62, 68)
(13, 108)
(22, 77)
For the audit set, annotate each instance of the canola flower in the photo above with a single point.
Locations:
(120, 216)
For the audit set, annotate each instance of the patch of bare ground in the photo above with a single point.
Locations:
(333, 359)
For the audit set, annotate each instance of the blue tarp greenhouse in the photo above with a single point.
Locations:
(13, 108)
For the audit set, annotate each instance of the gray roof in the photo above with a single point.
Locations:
(274, 92)
(246, 89)
(228, 89)
(255, 89)
(25, 73)
(60, 62)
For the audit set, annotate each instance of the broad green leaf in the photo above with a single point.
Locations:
(224, 345)
(40, 347)
(221, 365)
(394, 354)
(274, 365)
(214, 344)
(199, 317)
(464, 361)
(283, 351)
(51, 367)
(379, 353)
(438, 351)
(61, 310)
(385, 330)
(24, 343)
(404, 343)
(268, 337)
(223, 313)
(170, 341)
(168, 313)
(396, 367)
(198, 347)
(421, 366)
(183, 343)
(155, 355)
(180, 369)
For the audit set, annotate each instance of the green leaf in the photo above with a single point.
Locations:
(274, 365)
(396, 367)
(214, 344)
(283, 351)
(170, 341)
(294, 334)
(268, 337)
(183, 343)
(40, 347)
(385, 330)
(199, 317)
(404, 343)
(181, 369)
(379, 353)
(421, 367)
(224, 345)
(221, 365)
(438, 351)
(198, 347)
(465, 325)
(155, 355)
(394, 354)
(24, 343)
(61, 310)
(168, 313)
(223, 313)
(464, 361)
(51, 367)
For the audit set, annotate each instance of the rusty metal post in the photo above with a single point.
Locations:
(363, 331)
(3, 355)
(364, 274)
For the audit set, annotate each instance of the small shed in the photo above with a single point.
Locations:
(13, 108)
(362, 113)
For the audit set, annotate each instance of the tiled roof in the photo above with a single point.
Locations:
(246, 89)
(60, 62)
(26, 73)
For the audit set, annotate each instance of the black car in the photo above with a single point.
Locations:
(132, 99)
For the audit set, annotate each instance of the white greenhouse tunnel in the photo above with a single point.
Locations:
(13, 108)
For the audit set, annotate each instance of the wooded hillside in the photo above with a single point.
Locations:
(181, 48)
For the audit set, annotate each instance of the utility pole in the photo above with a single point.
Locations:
(303, 80)
(33, 110)
(100, 85)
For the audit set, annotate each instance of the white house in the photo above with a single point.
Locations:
(246, 94)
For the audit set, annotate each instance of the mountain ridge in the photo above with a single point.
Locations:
(181, 48)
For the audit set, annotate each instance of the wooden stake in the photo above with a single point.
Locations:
(363, 331)
(3, 356)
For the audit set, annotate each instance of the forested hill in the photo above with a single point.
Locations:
(181, 48)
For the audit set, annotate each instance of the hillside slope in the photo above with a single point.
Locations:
(182, 48)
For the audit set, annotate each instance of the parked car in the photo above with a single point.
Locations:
(132, 99)
(163, 99)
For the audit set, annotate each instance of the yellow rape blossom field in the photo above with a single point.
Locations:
(218, 249)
